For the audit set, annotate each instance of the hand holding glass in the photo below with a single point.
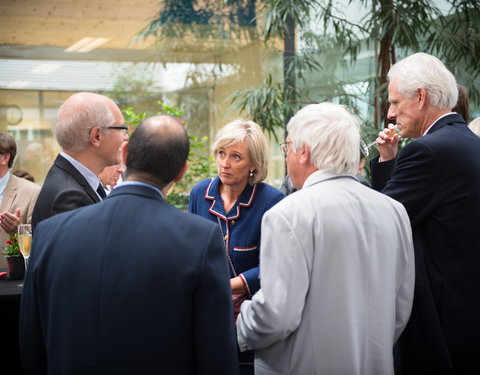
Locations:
(24, 241)
(364, 147)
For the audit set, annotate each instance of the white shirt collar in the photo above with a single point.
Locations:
(3, 183)
(320, 175)
(91, 177)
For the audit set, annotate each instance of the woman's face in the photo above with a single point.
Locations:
(234, 164)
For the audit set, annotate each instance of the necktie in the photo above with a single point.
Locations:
(101, 191)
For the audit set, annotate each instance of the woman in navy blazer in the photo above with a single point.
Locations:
(237, 199)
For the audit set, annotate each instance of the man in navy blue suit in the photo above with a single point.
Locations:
(437, 178)
(130, 285)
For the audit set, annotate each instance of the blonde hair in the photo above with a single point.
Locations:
(238, 131)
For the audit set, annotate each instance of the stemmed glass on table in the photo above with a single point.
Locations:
(24, 242)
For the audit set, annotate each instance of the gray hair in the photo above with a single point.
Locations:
(80, 113)
(238, 131)
(332, 134)
(422, 70)
(474, 126)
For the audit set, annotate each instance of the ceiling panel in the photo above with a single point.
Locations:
(28, 24)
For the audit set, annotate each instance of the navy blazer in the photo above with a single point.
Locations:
(437, 179)
(241, 226)
(130, 285)
(63, 190)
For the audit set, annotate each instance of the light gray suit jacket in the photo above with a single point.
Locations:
(337, 277)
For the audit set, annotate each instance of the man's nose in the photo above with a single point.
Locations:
(391, 114)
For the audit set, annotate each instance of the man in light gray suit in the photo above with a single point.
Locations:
(337, 265)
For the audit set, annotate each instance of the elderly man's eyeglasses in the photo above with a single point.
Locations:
(124, 128)
(284, 147)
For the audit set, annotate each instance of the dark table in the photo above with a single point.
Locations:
(10, 294)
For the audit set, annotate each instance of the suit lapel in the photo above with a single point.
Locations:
(64, 164)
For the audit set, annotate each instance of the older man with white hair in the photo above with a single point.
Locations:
(437, 178)
(337, 269)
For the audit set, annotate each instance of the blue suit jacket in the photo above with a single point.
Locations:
(242, 225)
(127, 286)
(437, 178)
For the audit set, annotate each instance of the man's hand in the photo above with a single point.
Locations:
(387, 143)
(9, 222)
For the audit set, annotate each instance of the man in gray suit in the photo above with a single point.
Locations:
(90, 129)
(337, 265)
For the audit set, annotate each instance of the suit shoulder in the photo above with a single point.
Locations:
(269, 194)
(58, 179)
(201, 187)
(193, 220)
(270, 190)
(453, 140)
(26, 185)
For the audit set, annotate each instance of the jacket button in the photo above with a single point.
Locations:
(232, 222)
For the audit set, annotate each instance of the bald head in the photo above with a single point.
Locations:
(163, 125)
(80, 113)
(158, 150)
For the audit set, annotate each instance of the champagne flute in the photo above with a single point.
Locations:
(365, 146)
(24, 242)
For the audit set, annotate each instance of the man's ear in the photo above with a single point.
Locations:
(4, 159)
(304, 154)
(422, 98)
(94, 136)
(182, 172)
(124, 152)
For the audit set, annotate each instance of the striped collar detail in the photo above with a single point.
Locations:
(213, 193)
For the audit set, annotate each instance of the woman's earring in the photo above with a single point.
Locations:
(251, 173)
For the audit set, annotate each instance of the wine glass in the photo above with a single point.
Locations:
(24, 242)
(365, 146)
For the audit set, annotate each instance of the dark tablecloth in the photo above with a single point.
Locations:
(10, 294)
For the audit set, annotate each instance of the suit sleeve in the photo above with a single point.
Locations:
(276, 309)
(216, 348)
(414, 180)
(406, 279)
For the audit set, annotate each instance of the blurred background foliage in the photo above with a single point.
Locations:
(322, 44)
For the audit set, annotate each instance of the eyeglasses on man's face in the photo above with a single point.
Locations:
(284, 147)
(124, 128)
